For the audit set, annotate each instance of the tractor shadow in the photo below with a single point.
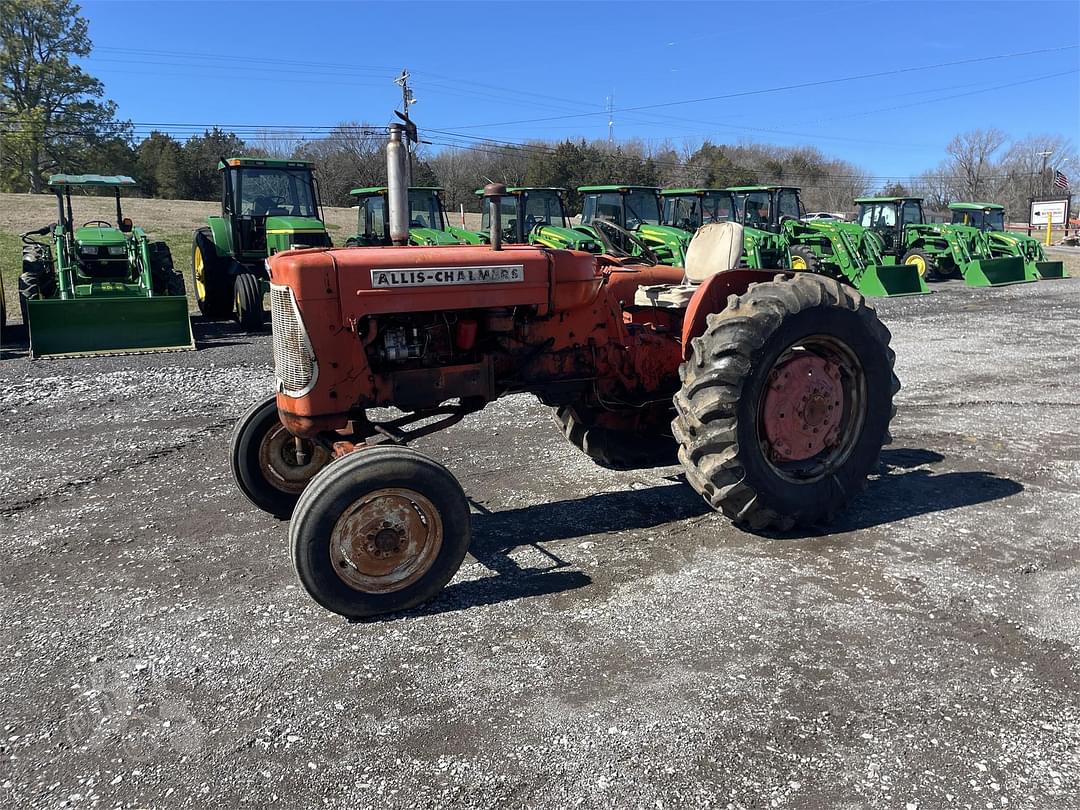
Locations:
(496, 534)
(221, 334)
(16, 342)
(905, 488)
(902, 489)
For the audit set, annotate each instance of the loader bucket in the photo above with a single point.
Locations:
(102, 325)
(891, 280)
(995, 272)
(1050, 270)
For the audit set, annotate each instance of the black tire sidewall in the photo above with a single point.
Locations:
(218, 302)
(246, 442)
(807, 255)
(336, 488)
(249, 308)
(818, 499)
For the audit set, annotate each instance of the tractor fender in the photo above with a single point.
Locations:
(712, 296)
(221, 234)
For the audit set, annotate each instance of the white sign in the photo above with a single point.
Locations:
(440, 276)
(1041, 210)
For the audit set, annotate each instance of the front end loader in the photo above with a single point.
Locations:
(428, 223)
(267, 206)
(774, 217)
(990, 219)
(774, 392)
(102, 287)
(936, 250)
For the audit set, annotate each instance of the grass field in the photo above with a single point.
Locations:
(170, 220)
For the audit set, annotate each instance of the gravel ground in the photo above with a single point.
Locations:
(610, 643)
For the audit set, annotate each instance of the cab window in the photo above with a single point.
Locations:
(788, 204)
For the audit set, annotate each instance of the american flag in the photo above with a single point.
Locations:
(1060, 180)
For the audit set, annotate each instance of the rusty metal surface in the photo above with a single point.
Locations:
(802, 411)
(386, 540)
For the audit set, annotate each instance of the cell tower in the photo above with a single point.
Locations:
(609, 106)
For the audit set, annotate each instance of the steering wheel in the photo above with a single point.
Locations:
(97, 222)
(787, 218)
(611, 234)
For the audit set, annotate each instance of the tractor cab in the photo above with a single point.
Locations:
(537, 216)
(690, 208)
(766, 208)
(888, 217)
(629, 207)
(984, 216)
(269, 206)
(427, 217)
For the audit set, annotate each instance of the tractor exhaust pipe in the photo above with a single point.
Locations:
(398, 186)
(493, 193)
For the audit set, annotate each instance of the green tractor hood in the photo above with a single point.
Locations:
(283, 232)
(100, 237)
(431, 236)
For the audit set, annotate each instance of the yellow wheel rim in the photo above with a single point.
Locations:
(200, 275)
(798, 263)
(919, 262)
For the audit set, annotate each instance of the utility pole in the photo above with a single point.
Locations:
(1042, 175)
(407, 98)
(609, 106)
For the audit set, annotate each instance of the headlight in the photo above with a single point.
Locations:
(117, 250)
(89, 250)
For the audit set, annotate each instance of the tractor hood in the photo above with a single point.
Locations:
(294, 225)
(431, 236)
(100, 237)
(555, 236)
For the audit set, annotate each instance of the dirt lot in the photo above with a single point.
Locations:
(610, 643)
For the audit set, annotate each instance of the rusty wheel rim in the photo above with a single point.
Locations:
(386, 540)
(280, 466)
(812, 409)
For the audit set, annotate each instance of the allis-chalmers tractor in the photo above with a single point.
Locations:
(773, 391)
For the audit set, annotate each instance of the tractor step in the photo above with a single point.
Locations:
(99, 325)
(891, 280)
(995, 272)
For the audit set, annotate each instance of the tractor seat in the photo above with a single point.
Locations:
(715, 248)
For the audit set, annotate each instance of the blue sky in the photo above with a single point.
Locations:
(491, 70)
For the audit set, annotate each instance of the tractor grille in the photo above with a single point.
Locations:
(294, 361)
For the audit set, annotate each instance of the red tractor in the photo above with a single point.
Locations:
(774, 392)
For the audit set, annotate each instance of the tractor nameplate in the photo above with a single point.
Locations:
(439, 276)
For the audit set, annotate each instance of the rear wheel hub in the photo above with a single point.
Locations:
(803, 408)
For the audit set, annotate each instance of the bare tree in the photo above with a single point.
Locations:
(971, 160)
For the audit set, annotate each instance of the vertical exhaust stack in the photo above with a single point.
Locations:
(398, 186)
(493, 193)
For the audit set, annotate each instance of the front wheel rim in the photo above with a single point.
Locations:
(919, 263)
(386, 540)
(279, 463)
(812, 410)
(199, 267)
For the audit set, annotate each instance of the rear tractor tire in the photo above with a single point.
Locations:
(785, 403)
(162, 273)
(210, 280)
(803, 259)
(37, 279)
(249, 302)
(269, 466)
(620, 440)
(381, 530)
(923, 262)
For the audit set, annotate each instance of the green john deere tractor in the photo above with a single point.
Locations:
(773, 218)
(266, 206)
(427, 218)
(99, 288)
(535, 216)
(635, 209)
(936, 250)
(990, 219)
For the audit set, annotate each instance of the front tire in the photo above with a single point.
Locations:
(380, 531)
(924, 263)
(249, 306)
(165, 279)
(803, 259)
(264, 460)
(209, 279)
(785, 403)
